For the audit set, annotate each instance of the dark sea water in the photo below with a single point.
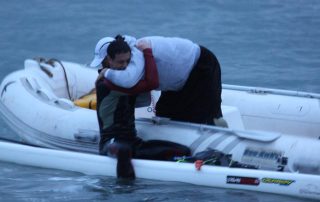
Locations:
(271, 43)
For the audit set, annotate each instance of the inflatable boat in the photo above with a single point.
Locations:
(275, 131)
(290, 184)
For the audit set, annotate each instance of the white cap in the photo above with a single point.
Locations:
(100, 51)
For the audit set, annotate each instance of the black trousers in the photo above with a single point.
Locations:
(199, 101)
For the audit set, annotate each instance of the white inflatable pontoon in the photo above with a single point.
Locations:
(275, 130)
(290, 184)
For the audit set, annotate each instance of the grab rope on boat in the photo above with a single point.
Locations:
(51, 62)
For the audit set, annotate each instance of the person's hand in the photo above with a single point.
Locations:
(143, 44)
(101, 75)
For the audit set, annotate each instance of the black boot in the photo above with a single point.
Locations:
(124, 166)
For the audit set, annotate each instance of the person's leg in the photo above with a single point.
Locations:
(116, 119)
(123, 152)
(199, 101)
(212, 83)
(168, 104)
(160, 150)
(208, 60)
(182, 105)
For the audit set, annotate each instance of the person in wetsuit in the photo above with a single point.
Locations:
(115, 110)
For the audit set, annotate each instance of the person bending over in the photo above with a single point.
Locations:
(189, 79)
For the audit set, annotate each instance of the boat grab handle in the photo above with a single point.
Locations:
(45, 94)
(45, 69)
(64, 103)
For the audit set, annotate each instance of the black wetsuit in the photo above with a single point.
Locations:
(117, 125)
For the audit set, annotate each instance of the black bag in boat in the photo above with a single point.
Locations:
(215, 157)
(160, 150)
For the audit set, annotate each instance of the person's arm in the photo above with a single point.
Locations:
(130, 76)
(150, 82)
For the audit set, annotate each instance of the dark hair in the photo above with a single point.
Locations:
(118, 46)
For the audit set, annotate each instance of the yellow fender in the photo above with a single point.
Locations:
(87, 101)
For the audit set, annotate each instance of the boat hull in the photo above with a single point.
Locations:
(268, 128)
(291, 184)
